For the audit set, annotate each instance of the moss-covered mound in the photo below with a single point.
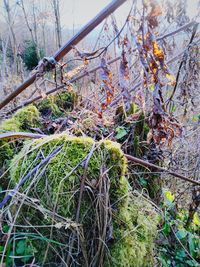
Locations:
(135, 232)
(24, 119)
(56, 105)
(105, 226)
(28, 118)
(31, 116)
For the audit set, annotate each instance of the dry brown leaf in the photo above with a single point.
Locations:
(158, 53)
(154, 13)
(107, 86)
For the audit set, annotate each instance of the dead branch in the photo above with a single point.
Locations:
(16, 135)
(160, 169)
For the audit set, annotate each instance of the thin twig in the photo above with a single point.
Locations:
(181, 64)
(184, 27)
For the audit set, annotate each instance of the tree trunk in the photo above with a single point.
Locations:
(56, 8)
(12, 35)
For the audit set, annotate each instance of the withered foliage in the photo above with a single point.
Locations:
(107, 87)
(163, 127)
(155, 11)
(155, 71)
(124, 77)
(143, 58)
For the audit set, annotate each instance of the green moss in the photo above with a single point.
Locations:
(66, 100)
(27, 117)
(135, 231)
(74, 151)
(57, 189)
(22, 120)
(122, 114)
(47, 106)
(154, 187)
(56, 105)
(134, 108)
(10, 125)
(136, 145)
(133, 121)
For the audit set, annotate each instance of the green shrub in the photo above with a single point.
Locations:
(30, 55)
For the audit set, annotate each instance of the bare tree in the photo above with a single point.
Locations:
(21, 4)
(12, 37)
(35, 22)
(56, 9)
(33, 31)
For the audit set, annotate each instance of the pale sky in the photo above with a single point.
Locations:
(76, 13)
(80, 12)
